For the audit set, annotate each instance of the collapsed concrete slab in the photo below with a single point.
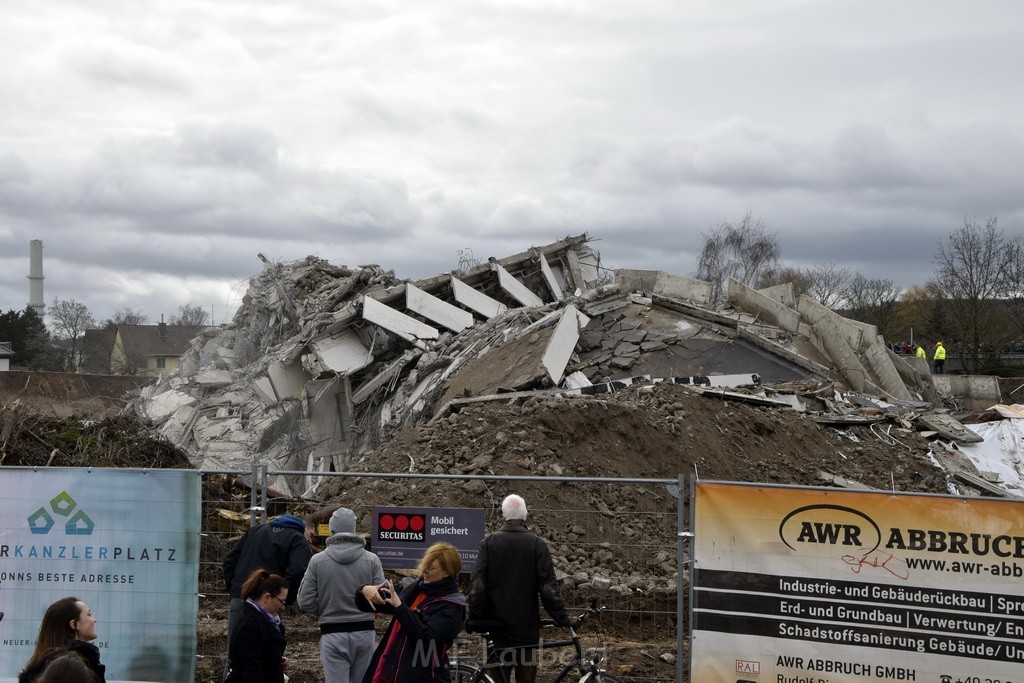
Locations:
(322, 364)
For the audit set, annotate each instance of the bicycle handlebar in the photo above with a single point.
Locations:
(484, 626)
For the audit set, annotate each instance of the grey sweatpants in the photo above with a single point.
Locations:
(346, 656)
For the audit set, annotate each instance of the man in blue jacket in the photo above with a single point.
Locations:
(280, 547)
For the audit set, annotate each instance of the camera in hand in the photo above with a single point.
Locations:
(384, 593)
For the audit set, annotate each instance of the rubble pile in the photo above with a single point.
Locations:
(649, 432)
(323, 365)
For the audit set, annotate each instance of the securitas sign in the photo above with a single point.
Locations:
(400, 535)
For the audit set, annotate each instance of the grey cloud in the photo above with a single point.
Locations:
(132, 66)
(227, 180)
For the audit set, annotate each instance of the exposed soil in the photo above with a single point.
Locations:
(655, 432)
(644, 432)
(63, 394)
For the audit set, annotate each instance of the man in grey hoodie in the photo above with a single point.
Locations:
(328, 590)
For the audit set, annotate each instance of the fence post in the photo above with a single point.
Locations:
(264, 485)
(683, 536)
(252, 495)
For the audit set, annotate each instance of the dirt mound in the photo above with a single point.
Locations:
(657, 431)
(64, 393)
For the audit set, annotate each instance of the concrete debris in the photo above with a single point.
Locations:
(322, 364)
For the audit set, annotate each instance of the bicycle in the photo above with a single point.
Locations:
(586, 661)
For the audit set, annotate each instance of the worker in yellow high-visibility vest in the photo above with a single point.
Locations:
(939, 358)
(921, 353)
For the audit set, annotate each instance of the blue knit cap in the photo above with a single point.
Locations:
(289, 522)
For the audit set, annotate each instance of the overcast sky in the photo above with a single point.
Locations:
(157, 147)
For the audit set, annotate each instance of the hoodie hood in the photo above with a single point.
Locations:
(345, 548)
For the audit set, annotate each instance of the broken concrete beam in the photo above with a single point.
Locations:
(563, 342)
(842, 354)
(366, 389)
(341, 353)
(514, 288)
(264, 389)
(753, 301)
(163, 406)
(455, 405)
(475, 300)
(398, 323)
(176, 429)
(330, 413)
(782, 351)
(725, 324)
(210, 377)
(835, 419)
(742, 398)
(665, 284)
(288, 379)
(784, 294)
(884, 372)
(437, 310)
(982, 485)
(549, 277)
(855, 332)
(948, 428)
(977, 392)
(588, 262)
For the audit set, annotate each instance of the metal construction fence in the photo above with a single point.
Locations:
(619, 541)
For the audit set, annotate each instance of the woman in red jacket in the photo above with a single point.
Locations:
(428, 614)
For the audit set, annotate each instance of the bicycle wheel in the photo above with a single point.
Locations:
(464, 673)
(600, 677)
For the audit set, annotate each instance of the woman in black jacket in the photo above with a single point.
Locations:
(67, 626)
(257, 644)
(427, 616)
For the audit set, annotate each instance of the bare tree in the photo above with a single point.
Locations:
(190, 315)
(743, 251)
(69, 320)
(781, 275)
(975, 269)
(919, 315)
(828, 284)
(1015, 292)
(874, 301)
(127, 316)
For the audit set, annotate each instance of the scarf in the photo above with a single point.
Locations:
(274, 619)
(413, 596)
(445, 586)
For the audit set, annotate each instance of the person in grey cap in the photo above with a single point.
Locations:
(328, 590)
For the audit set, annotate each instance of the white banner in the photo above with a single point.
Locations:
(802, 585)
(124, 542)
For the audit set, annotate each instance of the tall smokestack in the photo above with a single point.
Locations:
(35, 277)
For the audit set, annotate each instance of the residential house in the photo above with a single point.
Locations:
(137, 349)
(6, 353)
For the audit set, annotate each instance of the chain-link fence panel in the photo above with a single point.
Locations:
(611, 540)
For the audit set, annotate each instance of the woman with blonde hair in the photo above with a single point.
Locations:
(428, 615)
(68, 625)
